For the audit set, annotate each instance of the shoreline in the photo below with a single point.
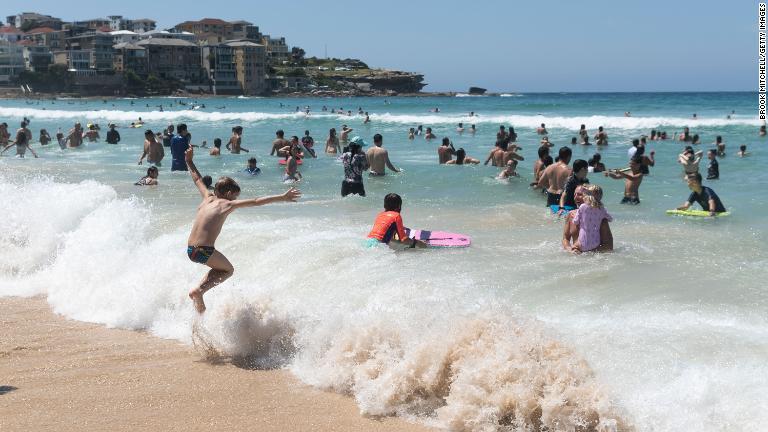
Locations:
(60, 374)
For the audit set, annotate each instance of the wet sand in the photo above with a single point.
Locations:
(59, 375)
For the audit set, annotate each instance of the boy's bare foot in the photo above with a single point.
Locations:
(197, 299)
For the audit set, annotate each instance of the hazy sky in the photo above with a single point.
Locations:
(648, 45)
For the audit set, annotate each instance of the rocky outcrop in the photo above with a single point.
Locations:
(384, 82)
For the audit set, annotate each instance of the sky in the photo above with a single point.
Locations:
(514, 46)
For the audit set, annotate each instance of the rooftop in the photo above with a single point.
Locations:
(166, 42)
(39, 30)
(240, 43)
(128, 46)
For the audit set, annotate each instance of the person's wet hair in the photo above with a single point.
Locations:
(446, 141)
(149, 132)
(207, 181)
(377, 138)
(460, 155)
(547, 161)
(280, 133)
(564, 154)
(252, 160)
(579, 164)
(742, 147)
(217, 142)
(695, 177)
(393, 202)
(595, 159)
(226, 186)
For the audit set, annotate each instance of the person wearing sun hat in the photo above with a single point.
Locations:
(355, 164)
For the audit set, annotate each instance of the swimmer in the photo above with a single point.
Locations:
(332, 143)
(378, 158)
(460, 128)
(345, 131)
(411, 133)
(446, 151)
(553, 177)
(75, 136)
(45, 137)
(720, 146)
(706, 197)
(542, 130)
(601, 138)
(279, 143)
(292, 159)
(153, 150)
(216, 149)
(22, 142)
(595, 166)
(540, 164)
(583, 133)
(508, 171)
(308, 143)
(388, 225)
(545, 142)
(252, 169)
(429, 135)
(742, 151)
(690, 161)
(713, 170)
(235, 141)
(462, 159)
(632, 180)
(209, 220)
(472, 129)
(577, 178)
(150, 179)
(113, 136)
(762, 131)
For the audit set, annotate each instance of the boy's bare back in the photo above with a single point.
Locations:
(210, 218)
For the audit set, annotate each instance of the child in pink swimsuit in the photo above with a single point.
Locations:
(588, 217)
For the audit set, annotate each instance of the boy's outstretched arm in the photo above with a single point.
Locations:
(196, 177)
(291, 195)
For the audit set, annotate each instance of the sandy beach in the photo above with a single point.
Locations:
(59, 374)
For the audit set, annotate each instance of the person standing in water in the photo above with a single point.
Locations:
(153, 150)
(355, 164)
(446, 151)
(378, 158)
(179, 147)
(113, 136)
(332, 145)
(209, 220)
(22, 142)
(553, 177)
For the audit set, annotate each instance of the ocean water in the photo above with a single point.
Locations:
(670, 332)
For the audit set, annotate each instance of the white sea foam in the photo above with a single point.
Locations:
(521, 121)
(398, 348)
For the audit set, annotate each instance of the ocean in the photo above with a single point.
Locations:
(669, 332)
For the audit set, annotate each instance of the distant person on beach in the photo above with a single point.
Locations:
(332, 145)
(308, 143)
(235, 141)
(153, 150)
(355, 163)
(388, 225)
(429, 135)
(75, 136)
(571, 230)
(632, 180)
(589, 218)
(446, 151)
(251, 168)
(462, 159)
(179, 147)
(378, 158)
(151, 178)
(553, 178)
(742, 151)
(21, 142)
(113, 136)
(168, 136)
(210, 218)
(542, 130)
(216, 149)
(601, 138)
(713, 170)
(706, 197)
(45, 137)
(279, 143)
(345, 131)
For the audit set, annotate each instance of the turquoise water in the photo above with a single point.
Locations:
(667, 333)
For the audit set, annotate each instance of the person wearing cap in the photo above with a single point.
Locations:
(113, 136)
(355, 164)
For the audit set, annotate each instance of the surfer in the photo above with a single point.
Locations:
(706, 197)
(388, 225)
(209, 220)
(378, 158)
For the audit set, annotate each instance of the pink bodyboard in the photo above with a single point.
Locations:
(440, 239)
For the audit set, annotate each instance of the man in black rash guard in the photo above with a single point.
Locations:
(703, 195)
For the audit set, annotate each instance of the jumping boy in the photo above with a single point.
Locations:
(211, 215)
(389, 225)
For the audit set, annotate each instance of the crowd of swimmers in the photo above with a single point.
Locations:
(563, 183)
